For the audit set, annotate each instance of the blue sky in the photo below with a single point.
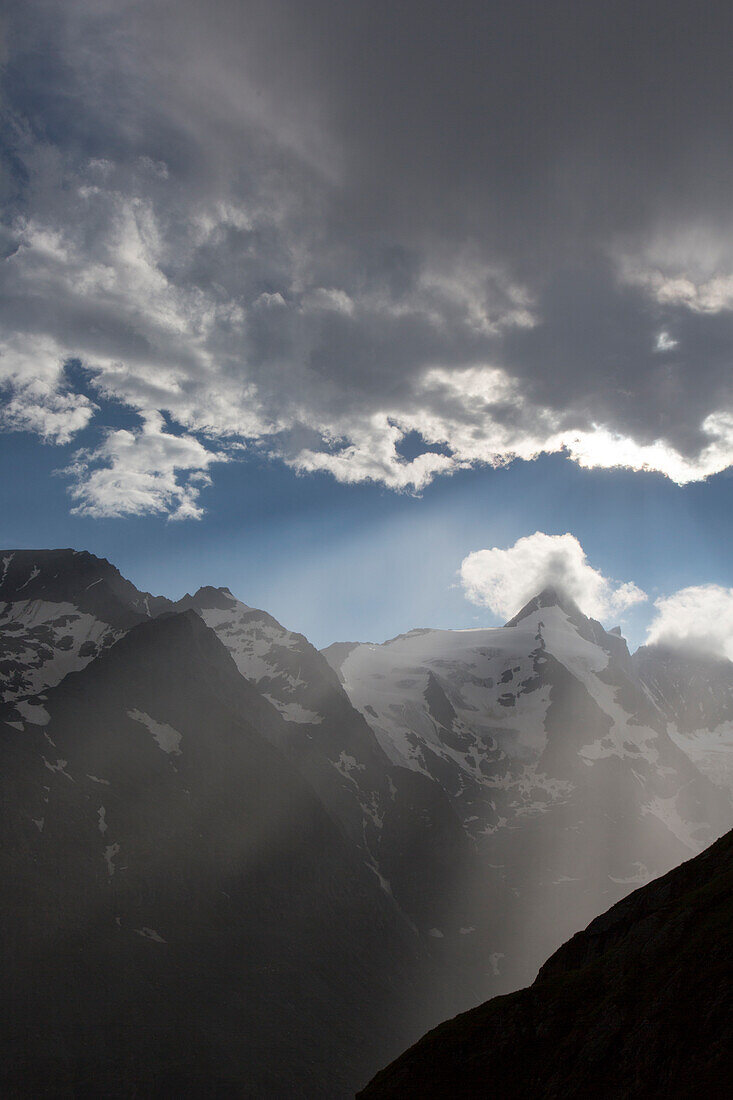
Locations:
(361, 562)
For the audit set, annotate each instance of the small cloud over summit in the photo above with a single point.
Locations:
(505, 579)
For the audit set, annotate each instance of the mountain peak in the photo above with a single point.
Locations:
(550, 596)
(207, 598)
(64, 576)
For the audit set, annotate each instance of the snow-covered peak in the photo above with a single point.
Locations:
(511, 720)
(488, 676)
(549, 597)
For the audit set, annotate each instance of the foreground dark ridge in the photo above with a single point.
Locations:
(640, 1004)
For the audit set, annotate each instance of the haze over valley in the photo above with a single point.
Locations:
(380, 835)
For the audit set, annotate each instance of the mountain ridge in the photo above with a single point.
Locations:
(490, 789)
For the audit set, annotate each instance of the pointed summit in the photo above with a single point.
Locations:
(593, 631)
(551, 596)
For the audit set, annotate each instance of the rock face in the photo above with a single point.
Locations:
(59, 609)
(640, 1004)
(141, 776)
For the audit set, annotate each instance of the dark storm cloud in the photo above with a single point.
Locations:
(532, 124)
(503, 226)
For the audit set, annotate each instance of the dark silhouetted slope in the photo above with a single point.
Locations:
(640, 1004)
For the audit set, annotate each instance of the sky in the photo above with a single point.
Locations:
(379, 314)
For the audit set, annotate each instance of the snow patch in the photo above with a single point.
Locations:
(166, 738)
(640, 875)
(59, 766)
(110, 852)
(6, 566)
(294, 712)
(711, 750)
(150, 934)
(495, 958)
(34, 573)
(347, 764)
(44, 641)
(665, 809)
(34, 713)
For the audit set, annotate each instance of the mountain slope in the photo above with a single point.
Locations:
(554, 757)
(695, 694)
(178, 909)
(403, 825)
(640, 1004)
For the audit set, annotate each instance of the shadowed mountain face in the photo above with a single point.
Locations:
(61, 608)
(398, 820)
(177, 905)
(640, 1004)
(695, 694)
(378, 836)
(58, 610)
(137, 794)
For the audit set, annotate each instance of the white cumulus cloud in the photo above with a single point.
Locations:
(697, 618)
(147, 470)
(505, 579)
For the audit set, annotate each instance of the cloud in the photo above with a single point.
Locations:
(34, 391)
(322, 243)
(689, 266)
(600, 448)
(708, 296)
(664, 342)
(505, 579)
(144, 471)
(699, 618)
